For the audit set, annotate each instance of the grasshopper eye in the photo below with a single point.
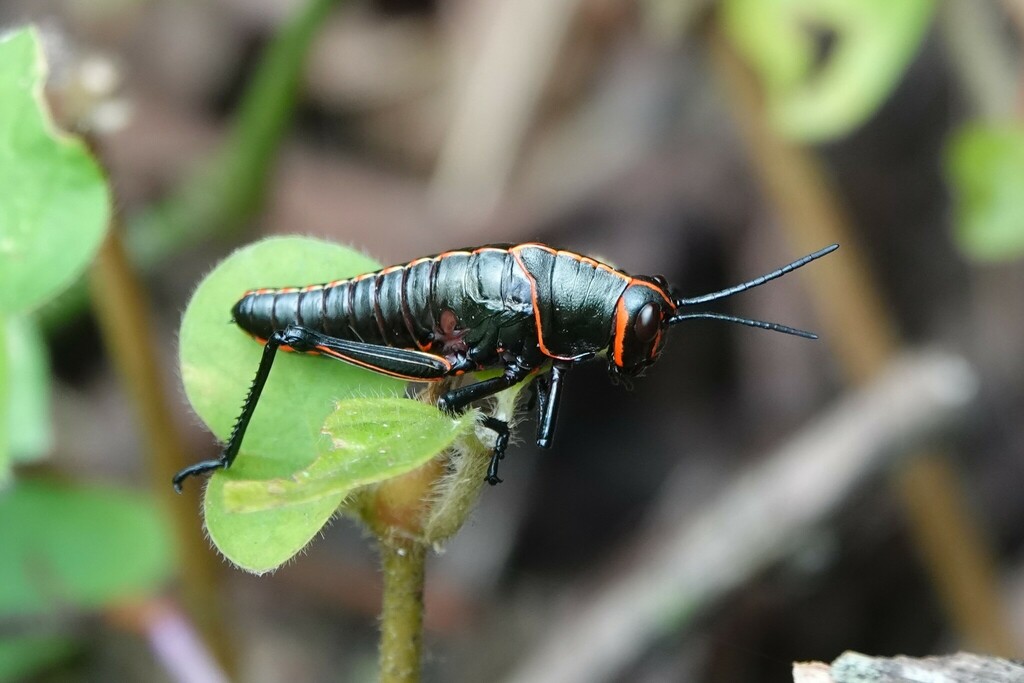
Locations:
(648, 322)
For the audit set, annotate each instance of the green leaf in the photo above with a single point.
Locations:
(223, 194)
(25, 426)
(22, 656)
(369, 440)
(78, 547)
(5, 409)
(54, 206)
(218, 362)
(31, 433)
(874, 41)
(260, 542)
(985, 166)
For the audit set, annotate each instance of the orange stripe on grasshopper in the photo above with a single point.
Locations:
(656, 288)
(621, 321)
(536, 308)
(373, 368)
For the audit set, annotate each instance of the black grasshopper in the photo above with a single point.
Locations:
(522, 308)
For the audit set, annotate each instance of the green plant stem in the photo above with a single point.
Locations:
(231, 189)
(401, 628)
(408, 515)
(457, 492)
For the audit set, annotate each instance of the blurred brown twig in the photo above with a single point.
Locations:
(864, 338)
(759, 518)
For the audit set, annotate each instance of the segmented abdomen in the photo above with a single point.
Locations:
(399, 306)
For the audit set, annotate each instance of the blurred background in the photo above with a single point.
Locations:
(756, 499)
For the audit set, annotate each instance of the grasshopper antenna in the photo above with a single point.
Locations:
(750, 284)
(749, 322)
(757, 281)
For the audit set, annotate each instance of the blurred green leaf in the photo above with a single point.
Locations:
(218, 362)
(368, 440)
(229, 189)
(54, 207)
(873, 42)
(67, 546)
(31, 432)
(22, 656)
(985, 166)
(5, 398)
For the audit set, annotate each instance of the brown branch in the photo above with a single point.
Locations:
(119, 303)
(758, 519)
(864, 338)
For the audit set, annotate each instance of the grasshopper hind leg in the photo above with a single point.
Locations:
(500, 428)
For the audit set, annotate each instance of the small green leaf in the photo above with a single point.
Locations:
(22, 656)
(985, 166)
(368, 441)
(31, 433)
(260, 542)
(25, 426)
(54, 206)
(873, 42)
(78, 547)
(218, 362)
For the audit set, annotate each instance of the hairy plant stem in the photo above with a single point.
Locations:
(412, 513)
(401, 640)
